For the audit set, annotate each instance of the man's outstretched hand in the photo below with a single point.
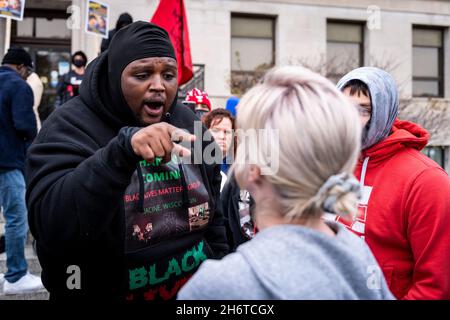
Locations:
(160, 140)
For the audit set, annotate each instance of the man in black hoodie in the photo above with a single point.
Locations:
(101, 173)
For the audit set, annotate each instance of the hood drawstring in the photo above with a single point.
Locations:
(185, 197)
(205, 179)
(141, 189)
(141, 178)
(363, 172)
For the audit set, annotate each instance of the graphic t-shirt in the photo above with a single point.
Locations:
(164, 244)
(358, 224)
(247, 225)
(72, 82)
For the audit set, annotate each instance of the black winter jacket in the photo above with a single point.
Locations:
(237, 207)
(90, 224)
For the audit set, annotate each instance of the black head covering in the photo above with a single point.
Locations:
(136, 41)
(124, 20)
(17, 56)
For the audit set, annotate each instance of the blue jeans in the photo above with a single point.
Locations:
(12, 199)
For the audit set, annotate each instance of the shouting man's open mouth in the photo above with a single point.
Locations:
(154, 107)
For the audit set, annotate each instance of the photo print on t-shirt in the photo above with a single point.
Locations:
(168, 209)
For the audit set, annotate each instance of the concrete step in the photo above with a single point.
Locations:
(34, 268)
(33, 263)
(38, 295)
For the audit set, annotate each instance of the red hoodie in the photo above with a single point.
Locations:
(404, 214)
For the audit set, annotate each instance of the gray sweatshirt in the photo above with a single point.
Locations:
(292, 262)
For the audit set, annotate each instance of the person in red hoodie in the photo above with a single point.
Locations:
(404, 209)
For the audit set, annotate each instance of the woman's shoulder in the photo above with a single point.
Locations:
(219, 279)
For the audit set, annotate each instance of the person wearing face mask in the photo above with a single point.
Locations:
(17, 130)
(200, 102)
(107, 190)
(69, 84)
(404, 211)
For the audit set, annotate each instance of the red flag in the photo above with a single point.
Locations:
(171, 16)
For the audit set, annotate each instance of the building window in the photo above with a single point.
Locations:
(44, 34)
(42, 27)
(252, 50)
(428, 64)
(344, 48)
(437, 154)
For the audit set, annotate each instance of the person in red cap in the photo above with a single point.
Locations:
(201, 101)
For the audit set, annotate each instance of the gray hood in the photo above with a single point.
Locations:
(384, 98)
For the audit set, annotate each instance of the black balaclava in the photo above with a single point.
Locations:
(124, 20)
(136, 41)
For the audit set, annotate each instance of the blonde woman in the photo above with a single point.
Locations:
(296, 254)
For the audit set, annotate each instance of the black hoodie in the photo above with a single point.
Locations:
(237, 206)
(86, 207)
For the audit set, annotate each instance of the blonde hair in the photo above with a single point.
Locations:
(319, 137)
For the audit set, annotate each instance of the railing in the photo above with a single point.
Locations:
(197, 81)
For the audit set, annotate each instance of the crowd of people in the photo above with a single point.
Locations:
(119, 183)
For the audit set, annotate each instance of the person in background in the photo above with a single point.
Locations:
(69, 84)
(238, 209)
(404, 212)
(296, 254)
(236, 203)
(200, 101)
(232, 102)
(17, 130)
(220, 124)
(124, 20)
(38, 88)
